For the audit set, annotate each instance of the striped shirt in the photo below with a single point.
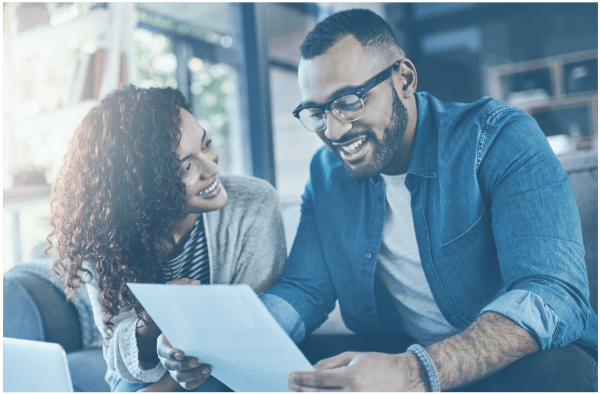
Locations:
(192, 263)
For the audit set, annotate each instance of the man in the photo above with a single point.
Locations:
(454, 224)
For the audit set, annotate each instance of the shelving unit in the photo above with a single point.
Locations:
(560, 92)
(92, 75)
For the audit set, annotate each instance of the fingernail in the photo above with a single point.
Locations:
(291, 378)
(179, 356)
(195, 282)
(194, 363)
(205, 371)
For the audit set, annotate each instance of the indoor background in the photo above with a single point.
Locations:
(237, 64)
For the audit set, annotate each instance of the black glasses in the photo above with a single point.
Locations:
(347, 107)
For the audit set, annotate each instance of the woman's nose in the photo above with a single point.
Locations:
(208, 168)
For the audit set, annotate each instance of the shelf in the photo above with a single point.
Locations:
(565, 102)
(529, 65)
(25, 195)
(560, 92)
(31, 42)
(74, 113)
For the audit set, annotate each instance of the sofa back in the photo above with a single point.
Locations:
(35, 309)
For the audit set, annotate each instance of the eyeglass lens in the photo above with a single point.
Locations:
(347, 108)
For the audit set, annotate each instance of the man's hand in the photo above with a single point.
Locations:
(353, 371)
(187, 371)
(490, 343)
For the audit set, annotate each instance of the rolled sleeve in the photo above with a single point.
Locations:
(538, 235)
(529, 311)
(286, 316)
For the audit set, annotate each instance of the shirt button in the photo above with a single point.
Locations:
(378, 199)
(368, 309)
(368, 255)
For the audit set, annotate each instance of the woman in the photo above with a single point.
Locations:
(139, 199)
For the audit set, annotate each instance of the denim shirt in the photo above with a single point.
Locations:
(496, 222)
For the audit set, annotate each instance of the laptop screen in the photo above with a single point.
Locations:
(34, 366)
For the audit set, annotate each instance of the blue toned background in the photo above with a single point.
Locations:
(237, 63)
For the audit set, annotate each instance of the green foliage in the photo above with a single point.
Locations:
(210, 98)
(149, 48)
(210, 85)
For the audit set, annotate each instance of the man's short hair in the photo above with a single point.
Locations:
(369, 29)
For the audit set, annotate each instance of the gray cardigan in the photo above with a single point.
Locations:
(246, 244)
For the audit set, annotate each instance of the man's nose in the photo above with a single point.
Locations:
(336, 128)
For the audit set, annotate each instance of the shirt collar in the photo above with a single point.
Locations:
(423, 161)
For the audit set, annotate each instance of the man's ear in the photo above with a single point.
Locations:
(407, 77)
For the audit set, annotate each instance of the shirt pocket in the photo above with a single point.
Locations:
(474, 258)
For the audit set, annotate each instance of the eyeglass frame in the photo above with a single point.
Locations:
(376, 80)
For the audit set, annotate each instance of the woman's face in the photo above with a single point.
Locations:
(199, 158)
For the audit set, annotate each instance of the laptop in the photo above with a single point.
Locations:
(34, 366)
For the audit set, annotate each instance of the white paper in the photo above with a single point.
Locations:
(228, 327)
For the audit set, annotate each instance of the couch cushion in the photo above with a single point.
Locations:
(583, 176)
(22, 318)
(89, 335)
(87, 369)
(35, 309)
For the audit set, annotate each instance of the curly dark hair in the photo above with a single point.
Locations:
(369, 29)
(119, 195)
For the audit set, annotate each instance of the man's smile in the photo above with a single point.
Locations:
(353, 150)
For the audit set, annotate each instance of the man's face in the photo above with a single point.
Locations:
(366, 146)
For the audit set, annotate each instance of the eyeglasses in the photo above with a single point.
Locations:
(347, 107)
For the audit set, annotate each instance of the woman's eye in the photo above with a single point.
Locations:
(207, 145)
(187, 168)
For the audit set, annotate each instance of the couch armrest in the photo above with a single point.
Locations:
(35, 309)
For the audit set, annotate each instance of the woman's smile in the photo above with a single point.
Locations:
(211, 191)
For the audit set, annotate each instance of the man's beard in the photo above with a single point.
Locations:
(385, 150)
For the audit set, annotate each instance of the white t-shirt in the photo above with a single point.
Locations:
(399, 269)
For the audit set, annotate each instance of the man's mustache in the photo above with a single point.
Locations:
(349, 137)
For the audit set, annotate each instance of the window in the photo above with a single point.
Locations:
(214, 102)
(468, 38)
(293, 144)
(428, 10)
(55, 73)
(155, 59)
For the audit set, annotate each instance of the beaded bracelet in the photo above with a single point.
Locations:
(434, 382)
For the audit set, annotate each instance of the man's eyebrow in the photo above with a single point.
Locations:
(345, 89)
(188, 156)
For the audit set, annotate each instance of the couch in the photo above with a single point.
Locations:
(36, 308)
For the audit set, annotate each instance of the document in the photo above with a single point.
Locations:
(228, 327)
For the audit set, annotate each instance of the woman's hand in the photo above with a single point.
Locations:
(147, 331)
(187, 371)
(184, 281)
(165, 384)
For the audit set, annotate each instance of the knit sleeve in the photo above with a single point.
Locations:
(264, 252)
(121, 351)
